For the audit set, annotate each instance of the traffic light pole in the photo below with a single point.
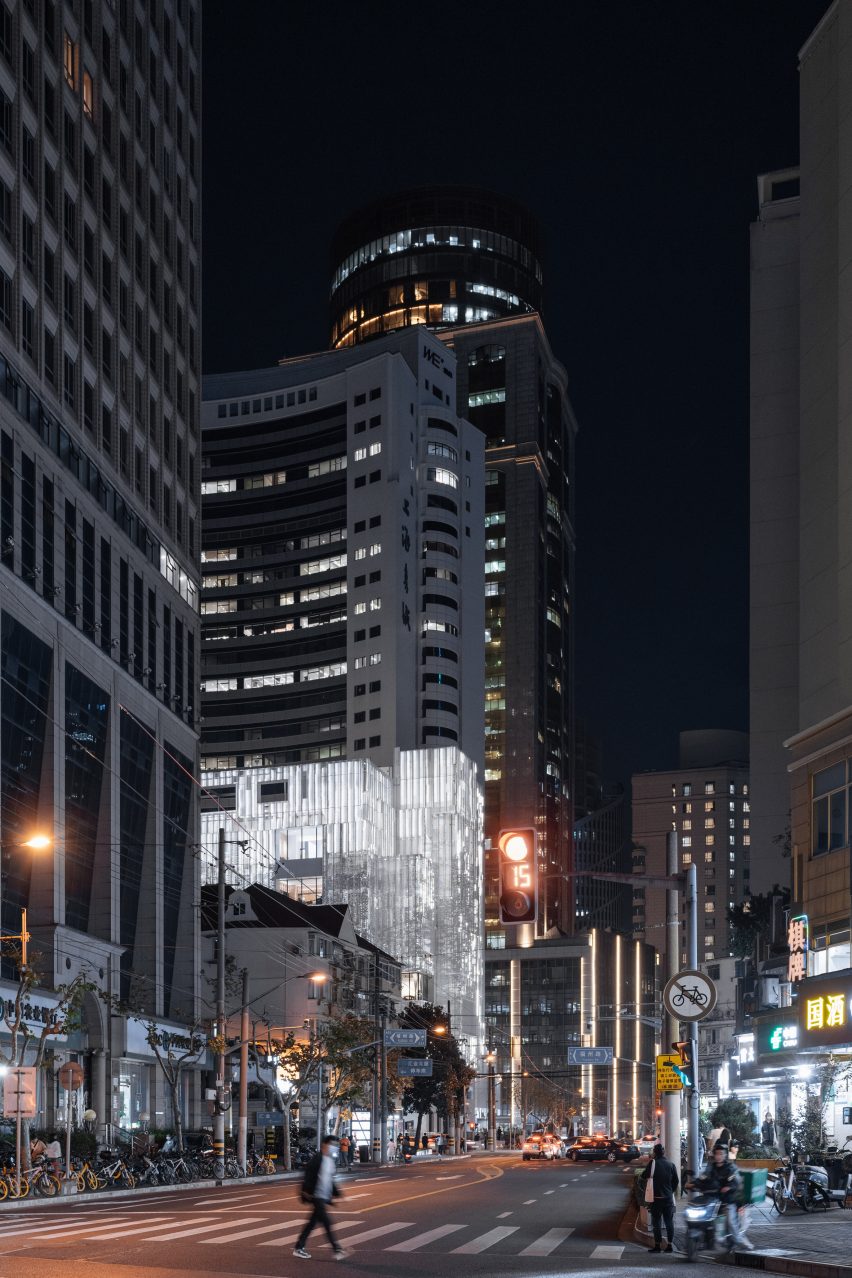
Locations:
(693, 1136)
(671, 1100)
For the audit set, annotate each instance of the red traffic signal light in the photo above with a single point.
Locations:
(518, 876)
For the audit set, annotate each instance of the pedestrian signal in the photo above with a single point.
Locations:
(686, 1068)
(518, 876)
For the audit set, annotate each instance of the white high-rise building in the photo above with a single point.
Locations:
(343, 618)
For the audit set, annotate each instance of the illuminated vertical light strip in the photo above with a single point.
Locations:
(594, 1019)
(613, 1120)
(637, 1029)
(582, 1026)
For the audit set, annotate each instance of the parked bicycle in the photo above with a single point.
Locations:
(799, 1183)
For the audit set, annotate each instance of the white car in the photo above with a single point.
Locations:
(645, 1144)
(541, 1145)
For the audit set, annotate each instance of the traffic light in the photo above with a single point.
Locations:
(686, 1069)
(518, 876)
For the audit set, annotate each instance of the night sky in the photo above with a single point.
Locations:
(634, 130)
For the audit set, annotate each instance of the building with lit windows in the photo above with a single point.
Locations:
(342, 616)
(99, 472)
(706, 801)
(467, 263)
(439, 256)
(596, 989)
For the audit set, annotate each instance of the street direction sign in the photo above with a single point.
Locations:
(669, 1077)
(689, 996)
(414, 1067)
(405, 1038)
(269, 1118)
(589, 1055)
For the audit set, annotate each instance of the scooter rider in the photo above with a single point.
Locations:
(723, 1179)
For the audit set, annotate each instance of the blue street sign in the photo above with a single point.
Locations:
(405, 1038)
(589, 1055)
(269, 1118)
(414, 1067)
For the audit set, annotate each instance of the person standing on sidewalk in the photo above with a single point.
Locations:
(318, 1188)
(663, 1175)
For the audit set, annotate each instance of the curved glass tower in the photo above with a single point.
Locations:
(440, 256)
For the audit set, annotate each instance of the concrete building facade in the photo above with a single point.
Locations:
(706, 801)
(99, 472)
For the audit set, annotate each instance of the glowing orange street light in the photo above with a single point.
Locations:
(38, 842)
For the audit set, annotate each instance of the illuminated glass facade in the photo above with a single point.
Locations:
(440, 256)
(402, 845)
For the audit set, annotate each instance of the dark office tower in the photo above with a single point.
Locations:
(440, 256)
(99, 438)
(467, 263)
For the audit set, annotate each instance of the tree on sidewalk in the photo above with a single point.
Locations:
(30, 1046)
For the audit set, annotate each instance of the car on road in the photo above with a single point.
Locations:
(602, 1148)
(541, 1145)
(646, 1144)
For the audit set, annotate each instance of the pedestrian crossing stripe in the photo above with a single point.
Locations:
(214, 1230)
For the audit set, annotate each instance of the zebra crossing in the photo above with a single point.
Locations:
(215, 1228)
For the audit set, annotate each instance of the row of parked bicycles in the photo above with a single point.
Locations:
(112, 1170)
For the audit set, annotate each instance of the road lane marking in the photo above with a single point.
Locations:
(203, 1229)
(564, 1185)
(245, 1233)
(35, 1227)
(607, 1253)
(73, 1232)
(457, 1176)
(484, 1241)
(393, 1228)
(339, 1226)
(547, 1243)
(157, 1223)
(549, 1191)
(423, 1240)
(503, 1214)
(527, 1201)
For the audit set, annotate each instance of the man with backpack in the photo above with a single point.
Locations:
(318, 1189)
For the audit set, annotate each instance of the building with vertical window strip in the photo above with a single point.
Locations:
(342, 658)
(99, 474)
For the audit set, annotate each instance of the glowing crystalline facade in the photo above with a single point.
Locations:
(401, 845)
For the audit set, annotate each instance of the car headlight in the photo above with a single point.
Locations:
(694, 1213)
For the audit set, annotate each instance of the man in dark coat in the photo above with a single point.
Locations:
(664, 1177)
(318, 1188)
(722, 1179)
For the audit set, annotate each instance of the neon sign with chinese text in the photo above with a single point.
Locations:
(798, 937)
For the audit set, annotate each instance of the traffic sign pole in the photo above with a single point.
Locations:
(693, 1097)
(671, 1100)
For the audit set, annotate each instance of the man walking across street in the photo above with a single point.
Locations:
(318, 1188)
(663, 1176)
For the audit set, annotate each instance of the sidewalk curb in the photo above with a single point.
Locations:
(800, 1267)
(104, 1195)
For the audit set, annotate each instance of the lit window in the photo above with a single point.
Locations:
(709, 823)
(285, 599)
(495, 565)
(219, 685)
(88, 96)
(216, 556)
(218, 486)
(323, 592)
(359, 454)
(220, 582)
(326, 467)
(376, 548)
(710, 839)
(70, 61)
(277, 679)
(360, 663)
(330, 671)
(687, 842)
(375, 658)
(375, 449)
(709, 787)
(708, 856)
(709, 907)
(486, 397)
(209, 606)
(450, 314)
(359, 608)
(687, 858)
(687, 825)
(361, 552)
(375, 605)
(311, 566)
(439, 475)
(746, 840)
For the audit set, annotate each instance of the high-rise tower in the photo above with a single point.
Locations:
(468, 264)
(99, 413)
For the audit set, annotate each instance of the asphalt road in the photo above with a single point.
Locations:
(495, 1216)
